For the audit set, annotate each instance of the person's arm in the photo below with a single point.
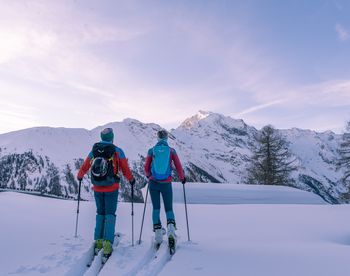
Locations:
(148, 163)
(178, 165)
(124, 166)
(85, 167)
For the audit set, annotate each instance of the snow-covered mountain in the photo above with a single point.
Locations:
(212, 147)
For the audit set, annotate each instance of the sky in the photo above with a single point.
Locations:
(75, 63)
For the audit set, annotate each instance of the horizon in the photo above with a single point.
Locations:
(79, 64)
(168, 129)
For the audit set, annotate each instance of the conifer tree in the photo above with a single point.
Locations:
(272, 162)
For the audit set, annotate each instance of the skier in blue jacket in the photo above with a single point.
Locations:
(158, 169)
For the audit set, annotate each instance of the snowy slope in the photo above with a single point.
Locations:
(316, 154)
(62, 144)
(217, 144)
(212, 147)
(237, 239)
(26, 155)
(209, 193)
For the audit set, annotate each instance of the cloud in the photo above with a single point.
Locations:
(258, 107)
(331, 93)
(52, 42)
(342, 32)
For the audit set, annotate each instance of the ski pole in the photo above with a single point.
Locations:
(76, 221)
(132, 212)
(188, 229)
(143, 216)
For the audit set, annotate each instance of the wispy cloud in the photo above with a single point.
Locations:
(342, 32)
(332, 93)
(258, 107)
(54, 39)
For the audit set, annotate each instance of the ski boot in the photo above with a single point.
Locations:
(107, 250)
(98, 246)
(158, 234)
(171, 225)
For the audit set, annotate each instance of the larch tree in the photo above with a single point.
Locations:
(272, 162)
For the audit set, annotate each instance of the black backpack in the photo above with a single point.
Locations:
(102, 171)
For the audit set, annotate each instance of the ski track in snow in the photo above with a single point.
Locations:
(96, 265)
(157, 263)
(145, 260)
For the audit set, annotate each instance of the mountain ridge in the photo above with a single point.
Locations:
(212, 147)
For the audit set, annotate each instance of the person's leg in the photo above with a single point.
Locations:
(100, 215)
(155, 197)
(111, 201)
(167, 194)
(157, 225)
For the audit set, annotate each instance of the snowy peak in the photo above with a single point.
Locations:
(211, 119)
(194, 120)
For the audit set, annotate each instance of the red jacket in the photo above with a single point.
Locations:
(120, 163)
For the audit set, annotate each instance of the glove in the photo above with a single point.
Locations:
(79, 178)
(183, 181)
(132, 182)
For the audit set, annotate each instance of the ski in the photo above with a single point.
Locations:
(157, 246)
(95, 252)
(171, 245)
(159, 233)
(104, 257)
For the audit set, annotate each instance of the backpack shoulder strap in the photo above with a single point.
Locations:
(94, 150)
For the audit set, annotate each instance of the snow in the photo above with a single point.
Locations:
(209, 193)
(192, 121)
(62, 145)
(239, 237)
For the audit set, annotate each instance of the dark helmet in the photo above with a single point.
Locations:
(162, 134)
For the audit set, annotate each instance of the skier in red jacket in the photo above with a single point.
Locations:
(106, 161)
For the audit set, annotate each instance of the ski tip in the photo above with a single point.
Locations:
(105, 259)
(172, 245)
(157, 245)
